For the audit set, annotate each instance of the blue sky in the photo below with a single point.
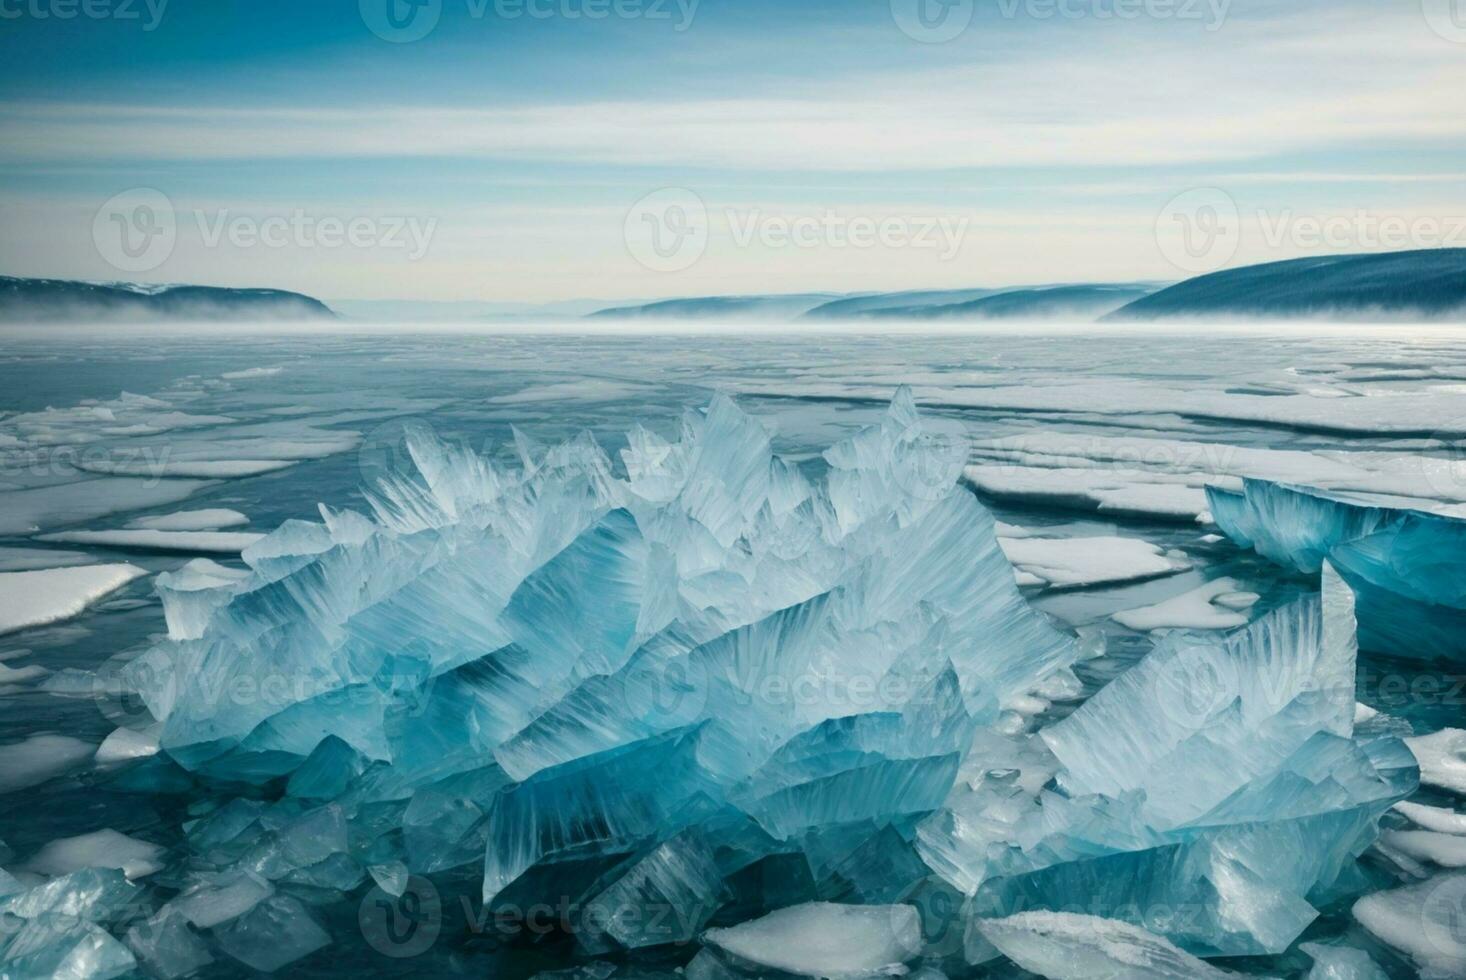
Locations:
(508, 145)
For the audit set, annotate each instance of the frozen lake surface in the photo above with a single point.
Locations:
(140, 450)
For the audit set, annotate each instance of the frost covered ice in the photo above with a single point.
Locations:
(1402, 562)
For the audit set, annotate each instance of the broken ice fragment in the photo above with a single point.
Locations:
(1341, 963)
(166, 946)
(102, 849)
(275, 933)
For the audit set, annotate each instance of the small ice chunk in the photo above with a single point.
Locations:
(227, 896)
(275, 933)
(100, 849)
(125, 744)
(1436, 818)
(39, 758)
(219, 542)
(821, 939)
(190, 520)
(1196, 610)
(1421, 921)
(1442, 758)
(21, 675)
(391, 877)
(1341, 963)
(167, 946)
(47, 596)
(1066, 946)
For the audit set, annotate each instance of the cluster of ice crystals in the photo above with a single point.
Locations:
(666, 672)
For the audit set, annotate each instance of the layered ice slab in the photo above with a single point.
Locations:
(1215, 794)
(636, 685)
(1401, 562)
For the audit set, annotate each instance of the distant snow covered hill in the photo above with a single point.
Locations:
(1060, 301)
(785, 307)
(1080, 302)
(60, 300)
(1428, 284)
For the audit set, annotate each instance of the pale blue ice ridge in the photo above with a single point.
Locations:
(1402, 563)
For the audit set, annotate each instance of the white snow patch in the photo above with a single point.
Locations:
(1073, 562)
(126, 744)
(1436, 818)
(49, 595)
(1196, 610)
(822, 939)
(1442, 850)
(101, 849)
(1442, 758)
(39, 758)
(1421, 921)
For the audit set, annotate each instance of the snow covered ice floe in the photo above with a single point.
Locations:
(1422, 921)
(1402, 561)
(1220, 776)
(218, 542)
(36, 598)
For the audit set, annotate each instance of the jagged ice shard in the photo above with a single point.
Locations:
(1215, 794)
(653, 681)
(1401, 562)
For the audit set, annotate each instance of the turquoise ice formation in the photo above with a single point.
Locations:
(712, 681)
(1215, 794)
(1403, 564)
(671, 674)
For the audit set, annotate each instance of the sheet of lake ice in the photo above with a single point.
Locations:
(33, 559)
(821, 939)
(1213, 606)
(212, 519)
(39, 758)
(215, 542)
(1082, 561)
(38, 508)
(48, 595)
